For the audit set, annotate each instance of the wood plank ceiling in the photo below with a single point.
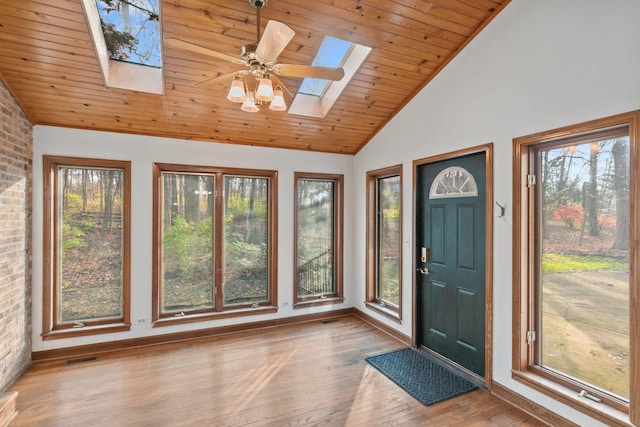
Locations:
(48, 63)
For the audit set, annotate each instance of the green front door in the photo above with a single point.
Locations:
(450, 250)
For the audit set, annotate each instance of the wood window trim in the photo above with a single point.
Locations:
(219, 311)
(371, 300)
(50, 328)
(338, 231)
(524, 275)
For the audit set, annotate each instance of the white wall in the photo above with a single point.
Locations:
(539, 65)
(143, 151)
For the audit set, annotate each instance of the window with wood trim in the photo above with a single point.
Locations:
(214, 242)
(86, 246)
(576, 228)
(318, 239)
(384, 240)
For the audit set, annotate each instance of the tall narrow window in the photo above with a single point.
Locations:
(574, 268)
(215, 250)
(246, 240)
(187, 245)
(86, 228)
(318, 239)
(384, 240)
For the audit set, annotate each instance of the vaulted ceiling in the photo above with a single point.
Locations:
(48, 63)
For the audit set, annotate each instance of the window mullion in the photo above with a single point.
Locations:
(56, 238)
(218, 240)
(337, 239)
(377, 217)
(634, 273)
(535, 290)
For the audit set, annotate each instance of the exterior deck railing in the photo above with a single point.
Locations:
(315, 277)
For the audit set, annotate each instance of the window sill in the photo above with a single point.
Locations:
(385, 311)
(86, 331)
(318, 301)
(201, 317)
(599, 411)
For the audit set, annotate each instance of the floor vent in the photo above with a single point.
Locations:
(81, 360)
(330, 321)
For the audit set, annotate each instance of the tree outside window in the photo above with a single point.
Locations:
(584, 274)
(87, 245)
(575, 270)
(214, 242)
(318, 238)
(384, 241)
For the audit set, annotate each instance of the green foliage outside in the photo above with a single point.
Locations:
(390, 268)
(584, 243)
(558, 262)
(315, 237)
(245, 271)
(245, 245)
(73, 203)
(72, 237)
(238, 207)
(389, 288)
(188, 270)
(389, 201)
(241, 255)
(187, 247)
(91, 271)
(188, 258)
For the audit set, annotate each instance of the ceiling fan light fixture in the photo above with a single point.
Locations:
(278, 103)
(265, 90)
(236, 91)
(261, 59)
(249, 105)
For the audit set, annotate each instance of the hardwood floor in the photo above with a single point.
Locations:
(312, 373)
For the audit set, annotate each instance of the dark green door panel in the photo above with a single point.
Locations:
(450, 299)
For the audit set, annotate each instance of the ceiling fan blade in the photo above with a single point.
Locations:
(275, 38)
(220, 79)
(324, 73)
(181, 44)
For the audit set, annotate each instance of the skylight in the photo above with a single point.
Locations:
(126, 35)
(131, 30)
(315, 97)
(332, 53)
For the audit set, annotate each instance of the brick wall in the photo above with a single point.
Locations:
(16, 148)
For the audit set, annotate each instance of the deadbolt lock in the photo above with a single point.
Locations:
(424, 254)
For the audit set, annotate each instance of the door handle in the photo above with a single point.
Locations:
(424, 270)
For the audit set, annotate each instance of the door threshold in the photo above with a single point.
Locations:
(449, 364)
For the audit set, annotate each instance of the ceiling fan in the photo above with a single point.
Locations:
(253, 85)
